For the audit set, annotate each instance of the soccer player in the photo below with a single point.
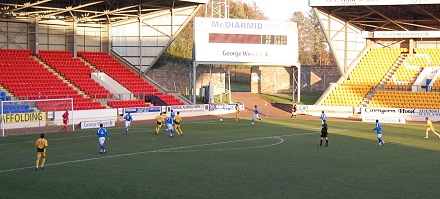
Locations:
(65, 121)
(172, 115)
(323, 117)
(102, 133)
(177, 121)
(169, 122)
(378, 129)
(256, 115)
(41, 145)
(324, 133)
(159, 120)
(237, 111)
(430, 127)
(293, 110)
(128, 120)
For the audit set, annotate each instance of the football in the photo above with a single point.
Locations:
(221, 120)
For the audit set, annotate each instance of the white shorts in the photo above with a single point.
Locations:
(255, 116)
(379, 135)
(170, 127)
(127, 123)
(429, 129)
(101, 140)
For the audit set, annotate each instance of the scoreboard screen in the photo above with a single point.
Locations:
(248, 39)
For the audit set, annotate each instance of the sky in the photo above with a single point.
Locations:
(280, 10)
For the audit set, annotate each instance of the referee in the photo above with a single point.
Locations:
(324, 133)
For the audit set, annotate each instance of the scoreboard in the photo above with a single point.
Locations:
(245, 42)
(248, 39)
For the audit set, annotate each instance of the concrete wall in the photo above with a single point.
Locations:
(176, 78)
(263, 79)
(316, 79)
(271, 79)
(276, 79)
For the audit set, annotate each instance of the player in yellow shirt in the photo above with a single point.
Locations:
(177, 121)
(159, 121)
(41, 145)
(237, 112)
(430, 127)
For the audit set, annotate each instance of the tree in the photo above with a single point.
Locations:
(313, 49)
(180, 51)
(240, 10)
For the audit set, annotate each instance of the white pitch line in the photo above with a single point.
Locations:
(230, 149)
(155, 151)
(86, 136)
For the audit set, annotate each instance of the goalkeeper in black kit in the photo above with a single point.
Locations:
(324, 134)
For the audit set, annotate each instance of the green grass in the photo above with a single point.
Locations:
(287, 99)
(240, 87)
(275, 159)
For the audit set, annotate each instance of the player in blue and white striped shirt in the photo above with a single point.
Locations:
(102, 133)
(323, 117)
(128, 120)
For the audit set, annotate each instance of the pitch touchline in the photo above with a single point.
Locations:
(155, 151)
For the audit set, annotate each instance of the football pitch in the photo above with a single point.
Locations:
(279, 158)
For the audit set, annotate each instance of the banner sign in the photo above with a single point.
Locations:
(24, 117)
(401, 34)
(225, 107)
(189, 108)
(398, 113)
(330, 111)
(152, 109)
(95, 124)
(326, 109)
(369, 2)
(301, 109)
(244, 41)
(394, 120)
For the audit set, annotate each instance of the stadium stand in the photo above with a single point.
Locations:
(366, 76)
(13, 108)
(125, 77)
(75, 71)
(400, 95)
(127, 103)
(406, 99)
(25, 78)
(397, 93)
(410, 68)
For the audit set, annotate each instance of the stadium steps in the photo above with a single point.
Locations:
(368, 97)
(6, 91)
(60, 76)
(384, 81)
(88, 64)
(392, 70)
